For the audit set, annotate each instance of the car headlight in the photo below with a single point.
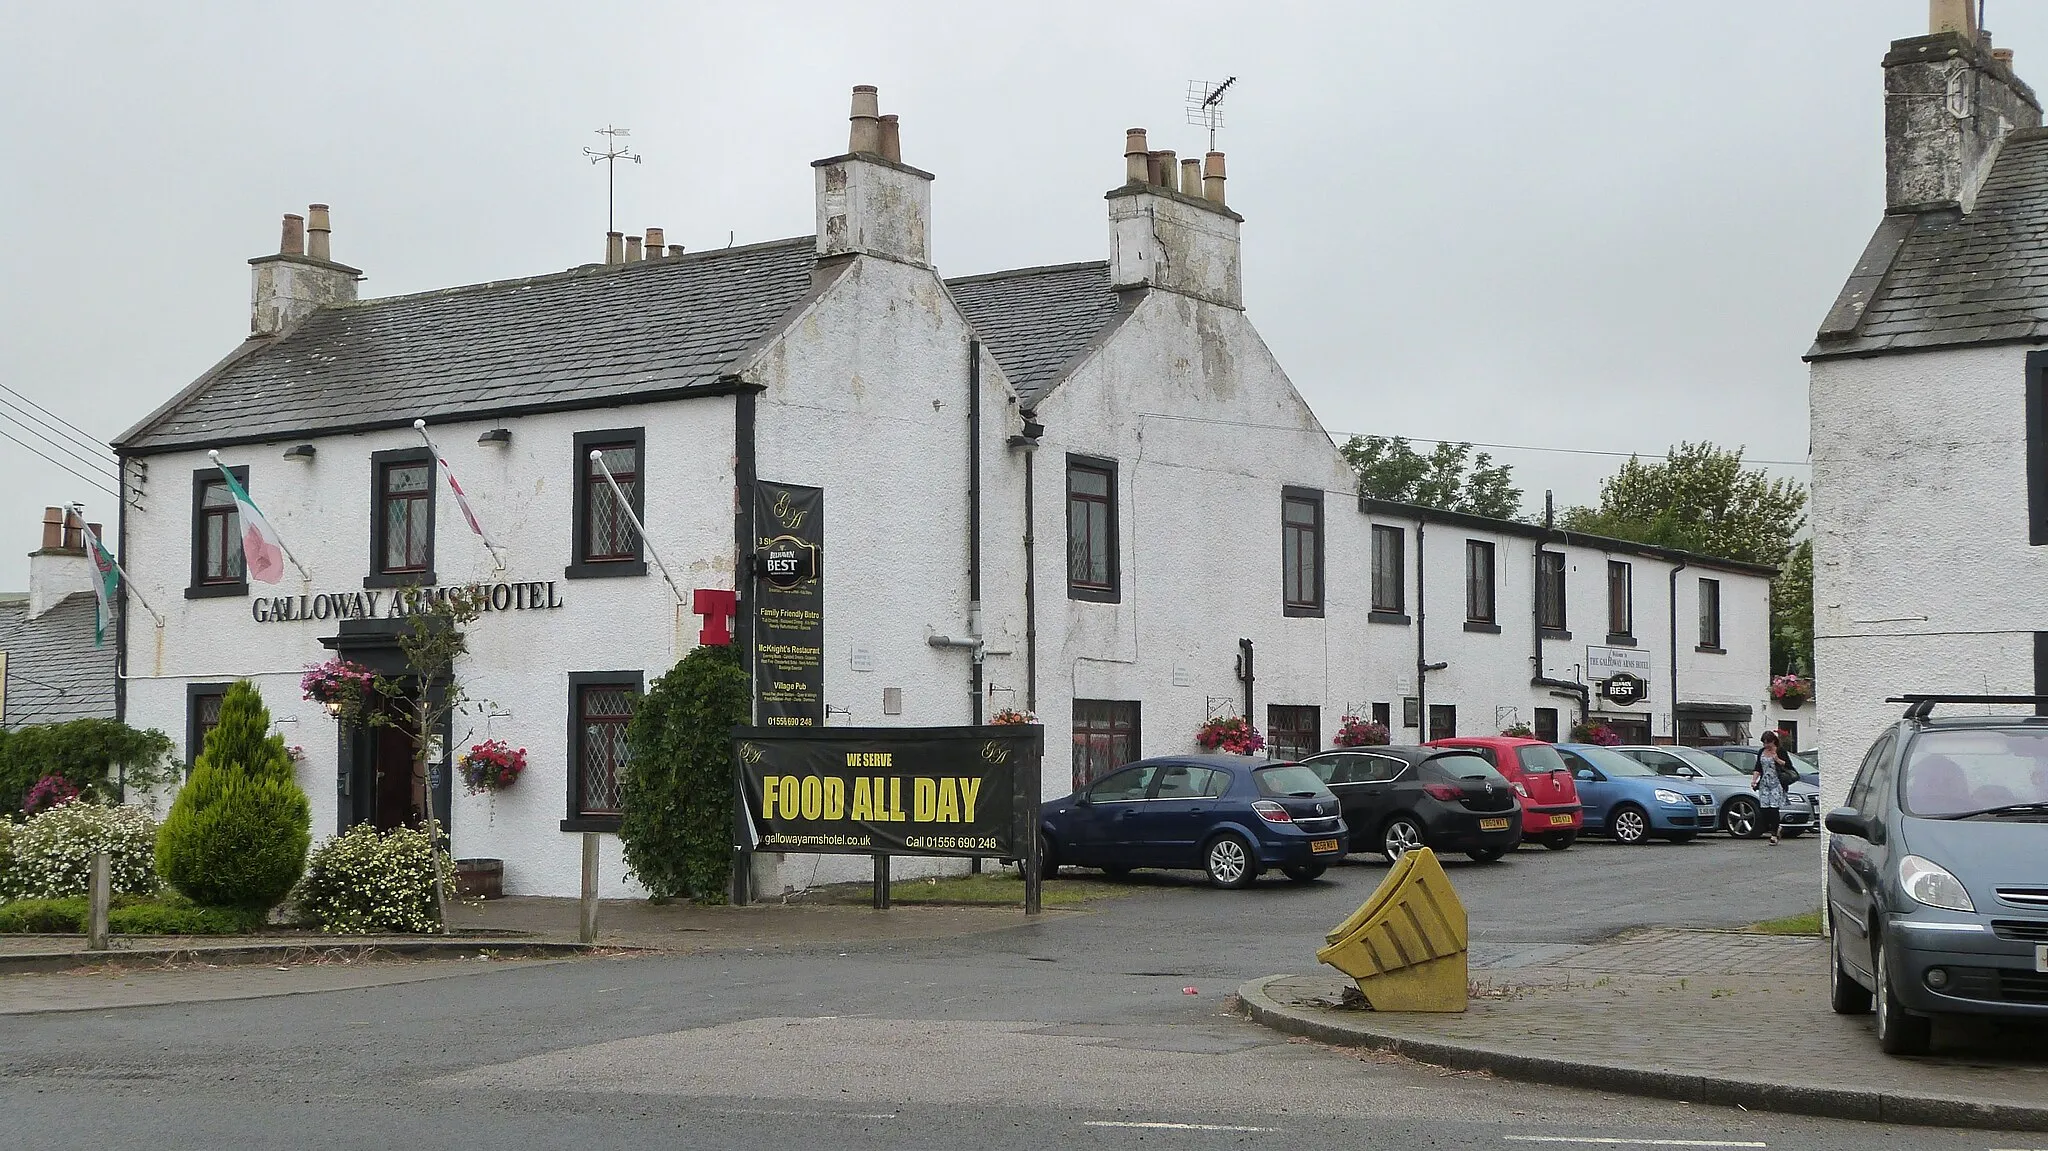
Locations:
(1664, 796)
(1930, 883)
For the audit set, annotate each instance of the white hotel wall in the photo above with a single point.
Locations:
(518, 661)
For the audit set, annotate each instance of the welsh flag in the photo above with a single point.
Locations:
(104, 586)
(262, 555)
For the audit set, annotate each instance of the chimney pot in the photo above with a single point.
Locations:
(1952, 16)
(614, 247)
(864, 130)
(1169, 169)
(675, 250)
(892, 140)
(1191, 177)
(293, 241)
(632, 249)
(2003, 56)
(1213, 177)
(1135, 156)
(656, 240)
(318, 228)
(53, 528)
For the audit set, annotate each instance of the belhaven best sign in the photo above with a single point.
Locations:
(965, 791)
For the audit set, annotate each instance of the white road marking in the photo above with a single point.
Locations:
(1173, 1126)
(1592, 1141)
(784, 1114)
(1588, 1140)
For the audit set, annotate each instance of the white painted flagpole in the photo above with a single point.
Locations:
(78, 511)
(305, 576)
(468, 513)
(597, 457)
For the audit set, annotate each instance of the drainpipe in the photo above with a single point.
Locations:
(1027, 441)
(974, 518)
(1560, 687)
(1244, 672)
(1673, 603)
(1421, 659)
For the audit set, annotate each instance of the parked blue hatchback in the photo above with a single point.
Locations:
(1231, 816)
(1631, 802)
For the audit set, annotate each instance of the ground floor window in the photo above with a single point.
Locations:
(1711, 731)
(1634, 730)
(202, 715)
(1546, 724)
(1383, 714)
(600, 707)
(1293, 731)
(1443, 721)
(1790, 730)
(1105, 737)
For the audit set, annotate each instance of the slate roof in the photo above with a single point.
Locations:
(1945, 278)
(591, 335)
(54, 672)
(1038, 322)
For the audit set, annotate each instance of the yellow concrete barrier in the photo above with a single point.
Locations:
(1405, 946)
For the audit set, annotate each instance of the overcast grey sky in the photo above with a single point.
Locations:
(1563, 223)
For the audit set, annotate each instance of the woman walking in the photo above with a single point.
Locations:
(1772, 766)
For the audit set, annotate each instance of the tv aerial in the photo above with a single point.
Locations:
(612, 154)
(1205, 105)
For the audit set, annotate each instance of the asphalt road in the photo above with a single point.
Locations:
(1076, 1031)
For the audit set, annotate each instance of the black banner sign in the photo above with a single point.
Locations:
(966, 791)
(789, 642)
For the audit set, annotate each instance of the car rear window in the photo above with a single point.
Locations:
(1288, 779)
(1539, 757)
(1464, 766)
(1951, 773)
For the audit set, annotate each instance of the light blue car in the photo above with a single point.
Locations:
(1630, 802)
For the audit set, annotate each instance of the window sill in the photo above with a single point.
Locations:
(1557, 633)
(216, 590)
(1397, 618)
(1711, 649)
(1615, 639)
(1095, 594)
(610, 569)
(1301, 611)
(591, 823)
(398, 579)
(1482, 627)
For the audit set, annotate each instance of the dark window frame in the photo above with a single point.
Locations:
(1383, 714)
(1437, 711)
(575, 819)
(1293, 714)
(1111, 590)
(1130, 724)
(199, 588)
(194, 737)
(584, 487)
(380, 463)
(1485, 614)
(1552, 603)
(1389, 538)
(1292, 606)
(1621, 610)
(1546, 724)
(1710, 639)
(2036, 407)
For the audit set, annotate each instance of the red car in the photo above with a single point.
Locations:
(1551, 814)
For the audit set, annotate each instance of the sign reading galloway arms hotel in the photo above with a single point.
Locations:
(968, 791)
(536, 595)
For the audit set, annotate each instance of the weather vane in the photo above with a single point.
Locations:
(1205, 105)
(611, 156)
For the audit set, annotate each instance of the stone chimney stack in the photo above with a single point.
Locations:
(870, 202)
(1950, 99)
(1169, 228)
(302, 276)
(60, 567)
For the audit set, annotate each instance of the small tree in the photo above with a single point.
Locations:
(1792, 613)
(1700, 498)
(1450, 477)
(677, 794)
(239, 829)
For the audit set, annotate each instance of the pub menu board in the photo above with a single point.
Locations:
(789, 642)
(961, 791)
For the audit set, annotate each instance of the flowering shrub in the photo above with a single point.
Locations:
(491, 766)
(49, 791)
(1791, 690)
(364, 881)
(1519, 731)
(338, 681)
(50, 856)
(1230, 734)
(1595, 732)
(1011, 717)
(1356, 732)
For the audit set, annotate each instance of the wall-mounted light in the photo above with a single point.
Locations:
(334, 708)
(300, 452)
(499, 436)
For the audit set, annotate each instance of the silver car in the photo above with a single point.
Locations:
(1731, 788)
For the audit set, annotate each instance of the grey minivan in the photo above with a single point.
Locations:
(1938, 873)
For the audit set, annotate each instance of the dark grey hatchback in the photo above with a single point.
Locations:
(1938, 873)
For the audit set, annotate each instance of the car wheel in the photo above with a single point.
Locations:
(1899, 1032)
(1739, 819)
(1304, 872)
(1487, 855)
(1400, 836)
(1845, 995)
(1048, 859)
(1229, 861)
(1559, 840)
(1681, 836)
(1628, 824)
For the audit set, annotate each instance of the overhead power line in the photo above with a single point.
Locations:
(47, 441)
(1341, 435)
(94, 481)
(60, 425)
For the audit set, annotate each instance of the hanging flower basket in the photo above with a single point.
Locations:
(1011, 717)
(1230, 734)
(1356, 732)
(1519, 731)
(1595, 733)
(491, 766)
(1791, 691)
(339, 685)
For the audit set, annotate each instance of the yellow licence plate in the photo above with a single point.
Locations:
(1320, 846)
(1493, 825)
(1560, 820)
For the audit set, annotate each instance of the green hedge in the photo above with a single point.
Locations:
(676, 796)
(129, 915)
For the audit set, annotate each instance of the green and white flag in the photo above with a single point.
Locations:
(106, 583)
